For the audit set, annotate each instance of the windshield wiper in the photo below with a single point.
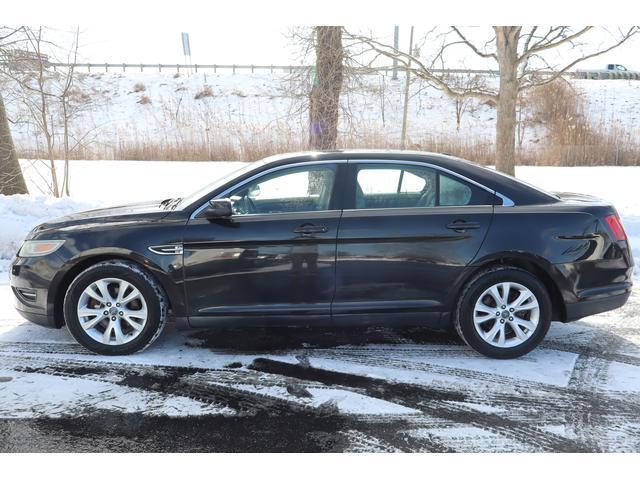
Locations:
(170, 203)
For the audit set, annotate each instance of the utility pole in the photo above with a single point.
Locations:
(403, 136)
(396, 45)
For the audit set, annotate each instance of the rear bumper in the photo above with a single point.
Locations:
(598, 301)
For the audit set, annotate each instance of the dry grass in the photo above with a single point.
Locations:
(139, 87)
(205, 91)
(205, 134)
(614, 147)
(573, 139)
(144, 100)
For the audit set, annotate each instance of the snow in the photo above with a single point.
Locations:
(550, 367)
(345, 401)
(110, 111)
(54, 396)
(623, 378)
(45, 374)
(20, 213)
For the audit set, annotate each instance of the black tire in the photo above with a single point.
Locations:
(153, 293)
(463, 318)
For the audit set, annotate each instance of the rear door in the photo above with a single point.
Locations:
(406, 235)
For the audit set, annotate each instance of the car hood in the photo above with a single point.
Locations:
(122, 214)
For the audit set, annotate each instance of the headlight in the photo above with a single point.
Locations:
(39, 248)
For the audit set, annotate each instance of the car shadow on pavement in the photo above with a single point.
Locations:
(270, 339)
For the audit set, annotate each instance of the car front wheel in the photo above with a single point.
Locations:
(115, 308)
(504, 312)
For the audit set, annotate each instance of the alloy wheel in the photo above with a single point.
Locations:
(506, 314)
(112, 311)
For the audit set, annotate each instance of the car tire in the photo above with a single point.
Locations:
(124, 330)
(503, 329)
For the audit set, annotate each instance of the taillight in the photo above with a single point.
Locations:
(616, 226)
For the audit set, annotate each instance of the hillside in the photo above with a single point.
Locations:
(226, 116)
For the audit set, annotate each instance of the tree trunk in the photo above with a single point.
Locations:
(324, 100)
(11, 179)
(507, 50)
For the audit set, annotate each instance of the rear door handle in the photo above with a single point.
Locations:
(310, 229)
(461, 226)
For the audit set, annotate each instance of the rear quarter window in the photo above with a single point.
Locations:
(455, 192)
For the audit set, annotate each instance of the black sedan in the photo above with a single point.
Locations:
(332, 238)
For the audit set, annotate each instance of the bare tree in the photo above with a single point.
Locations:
(64, 97)
(46, 96)
(36, 97)
(520, 59)
(11, 178)
(324, 99)
(464, 81)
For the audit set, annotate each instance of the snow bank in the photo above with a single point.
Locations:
(20, 213)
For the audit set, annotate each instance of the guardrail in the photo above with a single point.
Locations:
(239, 67)
(607, 75)
(234, 68)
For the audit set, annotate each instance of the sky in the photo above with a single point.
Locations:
(258, 31)
(230, 43)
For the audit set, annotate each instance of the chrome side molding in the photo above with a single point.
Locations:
(175, 249)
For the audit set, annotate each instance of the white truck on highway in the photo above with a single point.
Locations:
(613, 71)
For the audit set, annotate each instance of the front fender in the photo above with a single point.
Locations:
(167, 269)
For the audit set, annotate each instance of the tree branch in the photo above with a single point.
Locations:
(534, 83)
(475, 49)
(553, 43)
(419, 69)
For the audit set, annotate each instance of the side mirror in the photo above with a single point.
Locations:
(218, 208)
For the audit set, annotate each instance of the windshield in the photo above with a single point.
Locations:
(219, 182)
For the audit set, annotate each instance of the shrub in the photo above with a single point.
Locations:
(144, 100)
(139, 87)
(205, 91)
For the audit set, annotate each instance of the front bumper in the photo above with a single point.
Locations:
(29, 279)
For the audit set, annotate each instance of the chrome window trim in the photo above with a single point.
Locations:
(304, 214)
(442, 207)
(506, 201)
(402, 211)
(261, 174)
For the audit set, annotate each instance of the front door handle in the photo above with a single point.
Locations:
(310, 229)
(461, 225)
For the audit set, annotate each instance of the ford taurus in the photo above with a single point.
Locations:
(332, 239)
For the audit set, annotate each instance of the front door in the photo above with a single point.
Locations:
(407, 237)
(273, 261)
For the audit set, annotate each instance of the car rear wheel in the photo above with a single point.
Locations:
(115, 308)
(504, 312)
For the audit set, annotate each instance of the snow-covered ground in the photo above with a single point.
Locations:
(318, 390)
(112, 108)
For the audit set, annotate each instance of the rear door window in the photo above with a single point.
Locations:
(409, 186)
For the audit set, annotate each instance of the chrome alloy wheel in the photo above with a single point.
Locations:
(506, 314)
(112, 311)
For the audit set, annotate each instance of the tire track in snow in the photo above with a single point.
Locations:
(416, 397)
(214, 386)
